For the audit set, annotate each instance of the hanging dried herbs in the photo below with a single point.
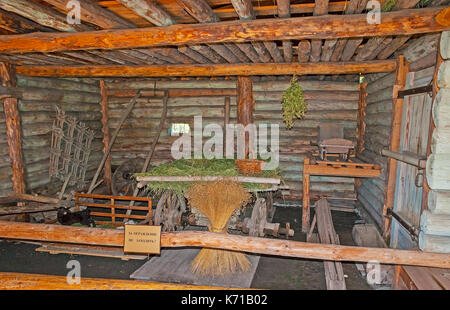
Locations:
(293, 103)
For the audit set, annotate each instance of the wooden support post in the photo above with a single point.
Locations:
(13, 129)
(361, 129)
(305, 194)
(107, 174)
(394, 145)
(127, 112)
(246, 105)
(226, 120)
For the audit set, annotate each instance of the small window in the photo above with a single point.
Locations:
(177, 129)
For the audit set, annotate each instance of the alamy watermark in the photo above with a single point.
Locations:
(74, 12)
(219, 147)
(374, 14)
(74, 274)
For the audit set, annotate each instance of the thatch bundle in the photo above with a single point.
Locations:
(218, 201)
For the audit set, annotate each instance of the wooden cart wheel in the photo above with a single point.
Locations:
(122, 183)
(169, 211)
(258, 219)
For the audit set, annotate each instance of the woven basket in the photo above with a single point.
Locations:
(249, 166)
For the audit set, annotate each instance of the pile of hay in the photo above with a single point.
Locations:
(218, 201)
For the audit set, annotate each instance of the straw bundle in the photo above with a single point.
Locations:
(218, 201)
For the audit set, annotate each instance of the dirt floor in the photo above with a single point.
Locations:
(272, 273)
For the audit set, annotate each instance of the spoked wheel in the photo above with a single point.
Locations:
(122, 182)
(169, 211)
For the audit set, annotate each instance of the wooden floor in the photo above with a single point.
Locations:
(173, 266)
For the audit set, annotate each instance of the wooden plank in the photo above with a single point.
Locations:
(394, 145)
(174, 266)
(342, 171)
(13, 129)
(112, 237)
(23, 281)
(243, 179)
(60, 248)
(306, 199)
(209, 69)
(404, 22)
(334, 274)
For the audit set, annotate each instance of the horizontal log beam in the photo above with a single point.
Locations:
(210, 69)
(402, 22)
(112, 237)
(24, 281)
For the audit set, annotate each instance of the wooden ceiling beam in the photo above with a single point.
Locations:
(44, 16)
(373, 47)
(203, 13)
(210, 69)
(321, 8)
(105, 19)
(93, 13)
(150, 11)
(41, 14)
(267, 50)
(158, 16)
(402, 22)
(17, 24)
(283, 9)
(271, 10)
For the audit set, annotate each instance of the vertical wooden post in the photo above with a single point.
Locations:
(106, 135)
(13, 129)
(245, 104)
(226, 121)
(305, 196)
(361, 129)
(394, 145)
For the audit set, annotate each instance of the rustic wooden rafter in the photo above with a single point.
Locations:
(284, 12)
(385, 45)
(405, 22)
(211, 69)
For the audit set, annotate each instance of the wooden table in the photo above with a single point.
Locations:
(331, 168)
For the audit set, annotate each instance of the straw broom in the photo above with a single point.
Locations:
(218, 201)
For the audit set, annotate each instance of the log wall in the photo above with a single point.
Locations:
(328, 102)
(79, 98)
(435, 222)
(414, 134)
